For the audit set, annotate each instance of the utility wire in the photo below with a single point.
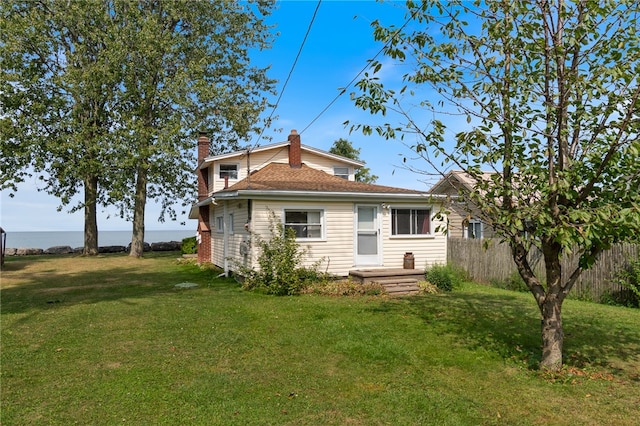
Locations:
(342, 92)
(315, 12)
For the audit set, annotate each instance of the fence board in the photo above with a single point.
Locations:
(495, 263)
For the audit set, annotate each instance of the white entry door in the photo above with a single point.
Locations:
(367, 236)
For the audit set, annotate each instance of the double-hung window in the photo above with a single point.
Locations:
(228, 170)
(305, 223)
(342, 172)
(410, 221)
(474, 230)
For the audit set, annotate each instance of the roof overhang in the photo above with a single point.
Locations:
(207, 161)
(328, 196)
(194, 211)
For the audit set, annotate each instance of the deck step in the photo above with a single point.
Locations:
(365, 276)
(399, 286)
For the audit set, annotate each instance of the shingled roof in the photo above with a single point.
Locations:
(281, 177)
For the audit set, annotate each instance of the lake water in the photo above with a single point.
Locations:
(74, 239)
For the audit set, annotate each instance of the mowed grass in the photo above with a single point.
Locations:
(111, 340)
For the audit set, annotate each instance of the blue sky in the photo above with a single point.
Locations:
(337, 48)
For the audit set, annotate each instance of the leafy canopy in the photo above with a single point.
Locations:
(536, 92)
(543, 94)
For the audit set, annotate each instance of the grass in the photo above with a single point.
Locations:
(112, 340)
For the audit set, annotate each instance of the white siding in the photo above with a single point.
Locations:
(426, 250)
(238, 209)
(258, 160)
(325, 164)
(336, 249)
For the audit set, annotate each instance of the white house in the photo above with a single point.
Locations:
(350, 225)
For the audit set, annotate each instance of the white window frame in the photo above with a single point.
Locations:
(220, 224)
(346, 175)
(237, 167)
(468, 227)
(412, 209)
(307, 209)
(230, 223)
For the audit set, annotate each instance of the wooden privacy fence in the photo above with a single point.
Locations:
(496, 264)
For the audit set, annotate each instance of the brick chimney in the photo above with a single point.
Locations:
(203, 174)
(204, 229)
(295, 154)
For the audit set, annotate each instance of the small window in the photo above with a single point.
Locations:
(229, 170)
(219, 224)
(410, 221)
(342, 172)
(474, 230)
(306, 223)
(231, 223)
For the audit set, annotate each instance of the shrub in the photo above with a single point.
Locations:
(189, 245)
(445, 277)
(279, 263)
(628, 277)
(345, 287)
(427, 287)
(513, 283)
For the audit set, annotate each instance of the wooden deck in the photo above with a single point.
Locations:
(396, 281)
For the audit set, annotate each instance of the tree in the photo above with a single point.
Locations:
(186, 68)
(551, 96)
(344, 148)
(56, 89)
(107, 95)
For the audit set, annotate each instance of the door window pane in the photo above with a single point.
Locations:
(368, 243)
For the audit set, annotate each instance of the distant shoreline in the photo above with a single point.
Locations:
(74, 239)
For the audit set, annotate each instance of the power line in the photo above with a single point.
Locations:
(342, 92)
(315, 12)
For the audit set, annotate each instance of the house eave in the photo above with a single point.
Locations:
(193, 212)
(329, 195)
(207, 161)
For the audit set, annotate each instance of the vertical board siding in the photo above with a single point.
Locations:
(495, 263)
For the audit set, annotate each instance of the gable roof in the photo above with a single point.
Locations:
(456, 179)
(207, 161)
(281, 179)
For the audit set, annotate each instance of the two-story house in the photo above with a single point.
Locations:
(345, 223)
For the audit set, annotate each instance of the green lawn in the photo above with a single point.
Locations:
(110, 340)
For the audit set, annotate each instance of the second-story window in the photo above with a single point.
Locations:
(342, 172)
(229, 170)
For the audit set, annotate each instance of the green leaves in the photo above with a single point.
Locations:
(551, 97)
(110, 89)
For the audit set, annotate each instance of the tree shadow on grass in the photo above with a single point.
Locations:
(50, 287)
(509, 325)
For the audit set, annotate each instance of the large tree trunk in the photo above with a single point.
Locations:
(549, 300)
(90, 218)
(552, 334)
(137, 239)
(551, 309)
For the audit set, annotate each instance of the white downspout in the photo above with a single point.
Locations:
(225, 239)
